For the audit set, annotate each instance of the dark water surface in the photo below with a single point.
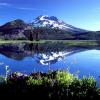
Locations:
(28, 58)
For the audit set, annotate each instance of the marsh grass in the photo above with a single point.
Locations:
(66, 42)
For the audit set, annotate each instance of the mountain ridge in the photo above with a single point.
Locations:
(44, 28)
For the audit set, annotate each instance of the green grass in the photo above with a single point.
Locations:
(66, 42)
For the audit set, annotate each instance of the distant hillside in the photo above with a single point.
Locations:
(45, 28)
(14, 30)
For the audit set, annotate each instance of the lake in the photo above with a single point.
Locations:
(30, 58)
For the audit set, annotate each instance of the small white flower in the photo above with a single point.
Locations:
(6, 67)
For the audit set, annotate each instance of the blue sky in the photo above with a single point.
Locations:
(80, 13)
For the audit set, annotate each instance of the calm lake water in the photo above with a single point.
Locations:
(29, 58)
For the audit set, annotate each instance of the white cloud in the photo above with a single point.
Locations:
(20, 8)
(4, 4)
(30, 9)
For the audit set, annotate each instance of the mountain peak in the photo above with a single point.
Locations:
(18, 23)
(49, 21)
(54, 22)
(46, 17)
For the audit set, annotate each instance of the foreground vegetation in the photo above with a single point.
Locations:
(54, 85)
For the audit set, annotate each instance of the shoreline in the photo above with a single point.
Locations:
(67, 42)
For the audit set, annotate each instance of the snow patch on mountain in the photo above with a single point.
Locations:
(54, 22)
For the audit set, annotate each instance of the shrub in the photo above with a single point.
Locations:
(54, 85)
(2, 80)
(64, 78)
(32, 81)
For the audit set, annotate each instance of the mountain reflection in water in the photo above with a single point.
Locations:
(42, 52)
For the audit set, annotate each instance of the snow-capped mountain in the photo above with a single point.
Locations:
(54, 22)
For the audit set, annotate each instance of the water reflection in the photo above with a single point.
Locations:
(50, 58)
(28, 58)
(42, 52)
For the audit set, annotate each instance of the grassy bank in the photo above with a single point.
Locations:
(67, 42)
(54, 85)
